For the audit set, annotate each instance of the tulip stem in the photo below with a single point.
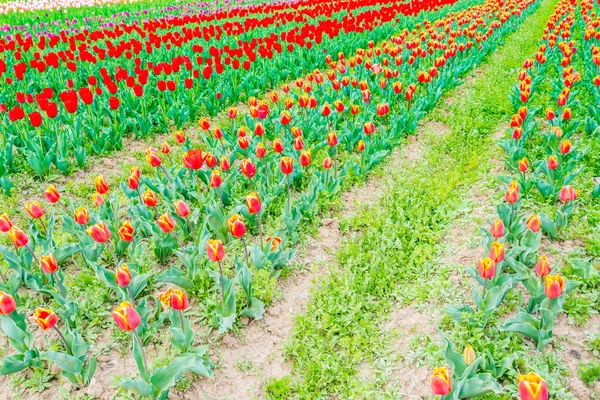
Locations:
(130, 295)
(63, 339)
(187, 219)
(181, 245)
(484, 287)
(139, 339)
(61, 288)
(44, 228)
(289, 194)
(2, 275)
(260, 232)
(140, 195)
(222, 286)
(181, 318)
(32, 253)
(246, 252)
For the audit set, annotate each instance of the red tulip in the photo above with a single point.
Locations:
(215, 250)
(126, 232)
(532, 387)
(253, 203)
(48, 264)
(543, 267)
(82, 216)
(126, 317)
(45, 318)
(486, 268)
(7, 303)
(182, 209)
(18, 237)
(237, 226)
(441, 382)
(52, 194)
(34, 209)
(101, 185)
(193, 159)
(166, 223)
(99, 232)
(5, 223)
(179, 300)
(287, 165)
(123, 276)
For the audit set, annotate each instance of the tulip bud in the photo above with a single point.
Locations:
(469, 355)
(149, 198)
(550, 115)
(368, 128)
(165, 148)
(524, 164)
(123, 275)
(361, 145)
(287, 165)
(552, 163)
(332, 139)
(126, 317)
(236, 226)
(182, 209)
(285, 118)
(305, 158)
(215, 250)
(278, 145)
(275, 242)
(298, 143)
(327, 162)
(532, 387)
(232, 112)
(543, 267)
(178, 300)
(215, 178)
(565, 146)
(441, 382)
(7, 303)
(45, 318)
(180, 137)
(99, 232)
(218, 133)
(533, 223)
(248, 169)
(486, 268)
(126, 232)
(82, 216)
(5, 223)
(48, 264)
(567, 193)
(34, 209)
(204, 123)
(253, 203)
(512, 195)
(98, 199)
(18, 237)
(225, 163)
(497, 252)
(52, 194)
(101, 185)
(166, 223)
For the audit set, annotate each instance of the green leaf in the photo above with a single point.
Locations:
(165, 377)
(176, 276)
(479, 385)
(13, 364)
(137, 386)
(64, 361)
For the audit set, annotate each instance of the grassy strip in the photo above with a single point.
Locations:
(398, 238)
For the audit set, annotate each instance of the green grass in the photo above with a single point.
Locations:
(393, 256)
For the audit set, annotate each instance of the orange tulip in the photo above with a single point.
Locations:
(533, 223)
(469, 355)
(34, 209)
(193, 159)
(555, 285)
(237, 226)
(101, 185)
(7, 303)
(215, 250)
(532, 387)
(180, 137)
(126, 317)
(179, 300)
(149, 198)
(45, 318)
(82, 217)
(123, 275)
(5, 223)
(275, 242)
(48, 264)
(552, 163)
(166, 223)
(287, 165)
(332, 139)
(253, 203)
(497, 252)
(523, 164)
(441, 382)
(486, 268)
(565, 146)
(126, 232)
(18, 237)
(99, 232)
(52, 194)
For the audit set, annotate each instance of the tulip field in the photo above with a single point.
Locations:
(327, 199)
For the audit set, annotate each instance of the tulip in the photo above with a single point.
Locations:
(361, 145)
(193, 159)
(101, 185)
(278, 145)
(204, 123)
(98, 199)
(497, 252)
(512, 195)
(99, 232)
(34, 209)
(368, 128)
(565, 146)
(166, 223)
(533, 223)
(305, 158)
(298, 143)
(287, 165)
(441, 382)
(327, 162)
(52, 194)
(179, 300)
(236, 226)
(232, 112)
(149, 198)
(225, 163)
(532, 387)
(126, 232)
(211, 160)
(523, 164)
(7, 303)
(126, 317)
(543, 267)
(180, 137)
(285, 118)
(215, 250)
(5, 223)
(469, 355)
(123, 275)
(18, 237)
(275, 242)
(248, 168)
(165, 148)
(552, 163)
(215, 178)
(253, 203)
(567, 113)
(567, 193)
(486, 268)
(554, 287)
(82, 216)
(48, 264)
(332, 139)
(260, 150)
(45, 318)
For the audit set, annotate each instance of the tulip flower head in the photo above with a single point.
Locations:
(18, 237)
(287, 165)
(34, 209)
(178, 300)
(486, 268)
(497, 252)
(182, 209)
(533, 223)
(48, 264)
(149, 198)
(126, 317)
(543, 267)
(275, 242)
(237, 226)
(5, 223)
(532, 387)
(166, 223)
(305, 158)
(82, 217)
(7, 303)
(123, 275)
(215, 250)
(469, 355)
(99, 232)
(554, 287)
(52, 194)
(441, 382)
(45, 318)
(126, 232)
(253, 203)
(101, 185)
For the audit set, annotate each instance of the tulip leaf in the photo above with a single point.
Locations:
(64, 361)
(478, 385)
(13, 364)
(63, 252)
(176, 276)
(165, 377)
(137, 386)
